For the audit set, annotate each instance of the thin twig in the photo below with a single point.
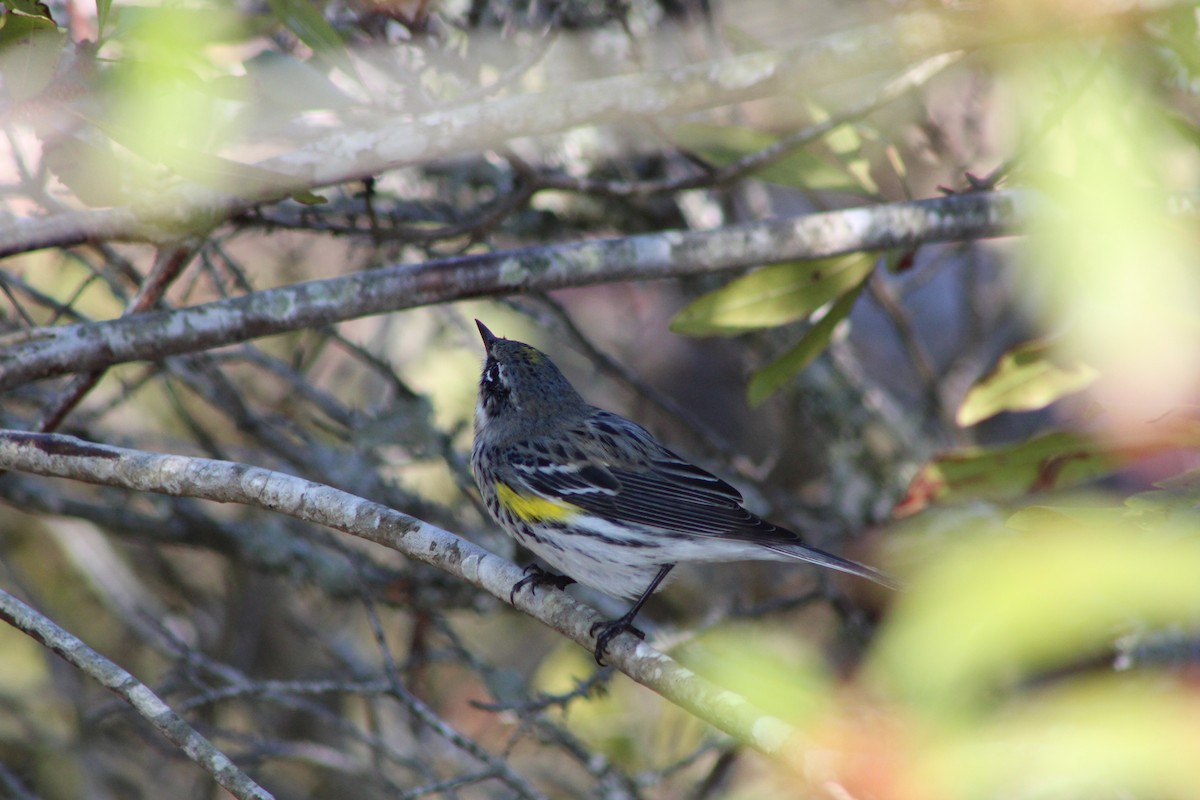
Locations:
(174, 727)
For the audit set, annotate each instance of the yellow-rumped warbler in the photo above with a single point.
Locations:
(597, 498)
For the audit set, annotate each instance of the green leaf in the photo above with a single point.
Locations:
(846, 143)
(770, 378)
(1050, 461)
(309, 198)
(724, 144)
(1025, 378)
(772, 296)
(34, 8)
(103, 8)
(30, 48)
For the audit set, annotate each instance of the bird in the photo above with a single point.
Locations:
(596, 497)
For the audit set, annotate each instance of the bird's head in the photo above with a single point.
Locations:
(521, 388)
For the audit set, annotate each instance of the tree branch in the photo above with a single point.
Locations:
(47, 352)
(229, 482)
(377, 144)
(174, 727)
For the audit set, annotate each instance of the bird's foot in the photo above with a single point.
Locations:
(536, 576)
(605, 632)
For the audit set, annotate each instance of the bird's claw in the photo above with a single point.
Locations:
(535, 576)
(607, 631)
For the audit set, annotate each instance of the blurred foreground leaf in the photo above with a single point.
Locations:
(726, 144)
(1030, 601)
(1117, 736)
(30, 49)
(1050, 461)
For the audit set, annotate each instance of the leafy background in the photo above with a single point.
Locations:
(1008, 423)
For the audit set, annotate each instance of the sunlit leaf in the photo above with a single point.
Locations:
(768, 380)
(846, 143)
(1026, 378)
(34, 8)
(725, 144)
(772, 296)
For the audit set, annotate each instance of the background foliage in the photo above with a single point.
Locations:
(926, 386)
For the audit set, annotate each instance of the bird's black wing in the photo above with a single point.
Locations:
(657, 490)
(660, 492)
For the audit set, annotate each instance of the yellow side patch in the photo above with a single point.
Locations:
(533, 509)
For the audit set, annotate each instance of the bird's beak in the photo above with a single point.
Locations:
(488, 336)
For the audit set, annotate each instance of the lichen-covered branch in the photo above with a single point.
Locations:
(174, 727)
(229, 482)
(90, 346)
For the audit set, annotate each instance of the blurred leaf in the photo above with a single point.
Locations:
(724, 144)
(1050, 461)
(94, 173)
(163, 111)
(1103, 167)
(1025, 378)
(309, 198)
(772, 296)
(1032, 518)
(174, 33)
(190, 162)
(1108, 736)
(741, 41)
(772, 668)
(30, 49)
(289, 85)
(768, 380)
(305, 19)
(32, 7)
(846, 143)
(1018, 603)
(1176, 499)
(103, 8)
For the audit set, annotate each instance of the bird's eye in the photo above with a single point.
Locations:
(492, 387)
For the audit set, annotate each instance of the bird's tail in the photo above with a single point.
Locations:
(822, 559)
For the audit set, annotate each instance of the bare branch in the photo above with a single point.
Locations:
(137, 694)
